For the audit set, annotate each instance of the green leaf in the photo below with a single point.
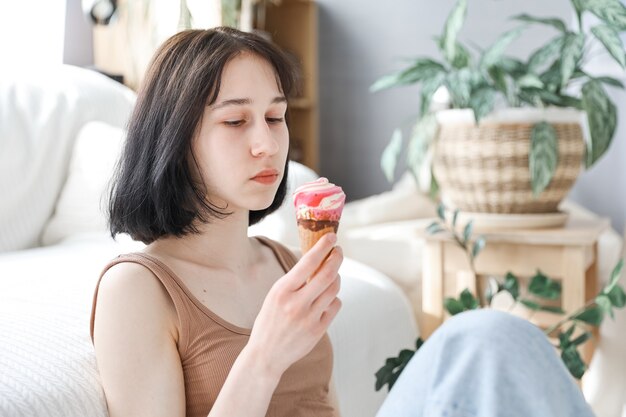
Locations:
(552, 77)
(531, 304)
(572, 360)
(615, 275)
(468, 300)
(429, 87)
(554, 22)
(392, 369)
(482, 101)
(604, 302)
(511, 284)
(498, 75)
(459, 84)
(579, 5)
(390, 155)
(564, 337)
(479, 244)
(405, 355)
(462, 57)
(441, 212)
(552, 309)
(422, 69)
(612, 42)
(530, 80)
(495, 52)
(530, 94)
(543, 287)
(581, 339)
(451, 30)
(543, 157)
(418, 343)
(612, 12)
(453, 306)
(602, 120)
(541, 56)
(570, 55)
(434, 228)
(592, 315)
(467, 231)
(433, 190)
(454, 217)
(610, 81)
(512, 66)
(570, 331)
(422, 136)
(617, 297)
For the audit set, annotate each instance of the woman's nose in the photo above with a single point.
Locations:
(263, 140)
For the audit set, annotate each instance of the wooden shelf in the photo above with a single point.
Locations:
(300, 103)
(292, 25)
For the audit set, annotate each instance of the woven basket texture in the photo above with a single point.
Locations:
(484, 168)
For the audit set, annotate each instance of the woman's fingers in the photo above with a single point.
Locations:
(311, 261)
(325, 276)
(330, 313)
(326, 298)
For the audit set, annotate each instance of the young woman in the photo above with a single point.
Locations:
(206, 321)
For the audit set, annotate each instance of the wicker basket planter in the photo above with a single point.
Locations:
(484, 168)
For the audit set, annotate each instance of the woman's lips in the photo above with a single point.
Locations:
(267, 177)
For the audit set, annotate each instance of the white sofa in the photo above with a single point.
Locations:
(60, 131)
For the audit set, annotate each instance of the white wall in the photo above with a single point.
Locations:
(31, 32)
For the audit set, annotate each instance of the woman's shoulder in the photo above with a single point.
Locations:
(133, 289)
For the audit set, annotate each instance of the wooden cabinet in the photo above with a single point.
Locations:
(292, 25)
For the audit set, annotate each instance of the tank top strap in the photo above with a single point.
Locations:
(169, 282)
(285, 256)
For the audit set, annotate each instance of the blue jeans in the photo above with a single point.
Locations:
(489, 364)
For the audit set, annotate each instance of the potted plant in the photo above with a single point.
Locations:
(517, 132)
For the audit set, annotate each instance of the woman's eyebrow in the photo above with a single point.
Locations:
(243, 101)
(231, 102)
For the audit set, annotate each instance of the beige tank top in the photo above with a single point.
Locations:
(209, 345)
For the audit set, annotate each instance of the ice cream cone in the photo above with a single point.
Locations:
(319, 205)
(309, 234)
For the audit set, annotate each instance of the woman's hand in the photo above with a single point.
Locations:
(296, 314)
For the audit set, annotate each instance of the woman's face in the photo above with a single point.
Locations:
(242, 143)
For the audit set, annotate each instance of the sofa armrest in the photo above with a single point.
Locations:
(375, 322)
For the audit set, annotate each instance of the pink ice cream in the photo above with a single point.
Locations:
(318, 209)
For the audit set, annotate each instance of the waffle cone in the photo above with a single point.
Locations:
(309, 237)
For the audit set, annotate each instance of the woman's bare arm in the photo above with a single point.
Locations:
(135, 343)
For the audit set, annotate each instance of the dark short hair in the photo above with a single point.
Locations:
(153, 193)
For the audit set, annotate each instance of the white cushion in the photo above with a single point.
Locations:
(81, 207)
(403, 202)
(41, 112)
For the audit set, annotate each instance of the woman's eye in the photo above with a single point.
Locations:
(274, 120)
(233, 123)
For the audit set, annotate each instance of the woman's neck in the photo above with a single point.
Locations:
(222, 243)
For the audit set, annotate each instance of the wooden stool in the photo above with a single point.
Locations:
(568, 253)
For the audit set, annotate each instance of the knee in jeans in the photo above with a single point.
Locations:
(487, 323)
